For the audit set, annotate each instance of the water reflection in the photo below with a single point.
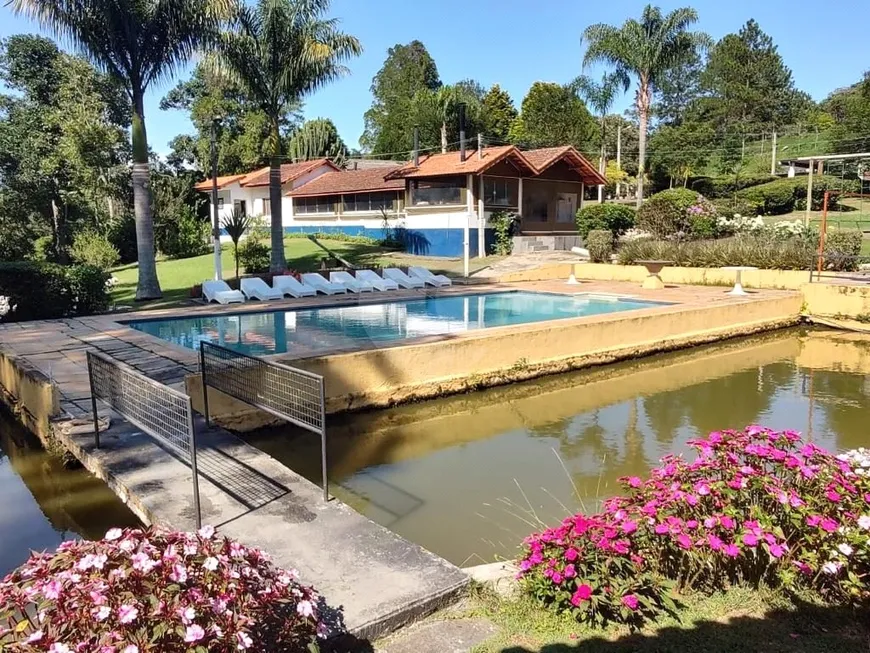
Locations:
(45, 504)
(468, 477)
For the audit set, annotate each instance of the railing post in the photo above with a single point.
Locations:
(204, 383)
(323, 455)
(94, 402)
(192, 430)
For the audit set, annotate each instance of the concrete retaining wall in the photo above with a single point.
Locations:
(383, 377)
(775, 279)
(830, 300)
(30, 394)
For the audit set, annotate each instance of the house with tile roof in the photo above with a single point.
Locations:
(434, 200)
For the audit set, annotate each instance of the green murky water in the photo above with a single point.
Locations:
(42, 504)
(468, 477)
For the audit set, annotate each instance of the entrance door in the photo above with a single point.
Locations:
(241, 207)
(566, 209)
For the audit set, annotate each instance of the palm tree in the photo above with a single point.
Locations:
(601, 96)
(645, 49)
(278, 51)
(236, 224)
(138, 43)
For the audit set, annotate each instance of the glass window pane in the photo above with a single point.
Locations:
(427, 192)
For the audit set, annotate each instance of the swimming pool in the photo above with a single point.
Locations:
(313, 330)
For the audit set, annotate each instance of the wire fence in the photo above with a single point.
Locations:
(157, 410)
(286, 392)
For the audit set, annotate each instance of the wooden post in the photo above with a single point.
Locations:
(481, 223)
(823, 233)
(809, 195)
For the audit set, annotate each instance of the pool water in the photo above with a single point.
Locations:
(317, 329)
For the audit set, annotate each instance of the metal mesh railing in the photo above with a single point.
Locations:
(159, 411)
(291, 394)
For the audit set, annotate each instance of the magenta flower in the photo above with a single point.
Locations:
(684, 541)
(710, 522)
(731, 550)
(630, 601)
(569, 571)
(714, 542)
(557, 578)
(702, 488)
(778, 550)
(829, 525)
(634, 481)
(571, 555)
(582, 594)
(833, 496)
(52, 589)
(750, 539)
(629, 527)
(661, 529)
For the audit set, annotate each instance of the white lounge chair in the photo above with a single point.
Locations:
(437, 280)
(377, 281)
(350, 282)
(256, 288)
(403, 279)
(220, 292)
(290, 285)
(320, 284)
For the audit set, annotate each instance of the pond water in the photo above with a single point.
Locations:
(44, 504)
(469, 477)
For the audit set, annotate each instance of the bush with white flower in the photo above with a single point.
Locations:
(138, 591)
(6, 306)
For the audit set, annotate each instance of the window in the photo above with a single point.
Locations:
(500, 192)
(536, 202)
(220, 202)
(426, 192)
(370, 202)
(267, 207)
(305, 205)
(240, 207)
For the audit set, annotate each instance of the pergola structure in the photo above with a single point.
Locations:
(811, 160)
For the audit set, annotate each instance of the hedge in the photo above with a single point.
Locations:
(727, 185)
(786, 195)
(43, 291)
(616, 218)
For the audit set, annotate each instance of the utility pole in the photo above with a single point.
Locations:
(773, 154)
(618, 158)
(216, 232)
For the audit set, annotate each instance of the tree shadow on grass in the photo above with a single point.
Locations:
(805, 629)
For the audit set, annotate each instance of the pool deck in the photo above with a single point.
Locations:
(379, 580)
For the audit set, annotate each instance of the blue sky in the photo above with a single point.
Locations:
(516, 42)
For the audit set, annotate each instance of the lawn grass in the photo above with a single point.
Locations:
(740, 619)
(178, 276)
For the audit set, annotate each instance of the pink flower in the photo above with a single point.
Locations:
(661, 529)
(525, 565)
(630, 601)
(582, 594)
(710, 522)
(114, 534)
(629, 527)
(833, 495)
(35, 636)
(634, 481)
(702, 488)
(132, 648)
(102, 613)
(179, 573)
(570, 571)
(714, 542)
(692, 524)
(194, 633)
(828, 525)
(803, 567)
(557, 578)
(210, 563)
(127, 613)
(243, 640)
(52, 590)
(684, 541)
(206, 532)
(571, 555)
(814, 520)
(778, 550)
(731, 550)
(59, 647)
(305, 608)
(727, 522)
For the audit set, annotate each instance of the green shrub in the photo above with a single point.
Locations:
(737, 206)
(338, 236)
(41, 291)
(122, 234)
(616, 218)
(677, 213)
(503, 224)
(764, 252)
(186, 236)
(91, 248)
(842, 247)
(724, 186)
(787, 195)
(599, 242)
(43, 249)
(254, 256)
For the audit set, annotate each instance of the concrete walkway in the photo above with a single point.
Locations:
(374, 580)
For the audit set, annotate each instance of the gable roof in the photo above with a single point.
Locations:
(289, 172)
(545, 157)
(222, 182)
(436, 165)
(363, 180)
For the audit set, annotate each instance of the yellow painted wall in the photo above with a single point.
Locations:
(828, 300)
(29, 393)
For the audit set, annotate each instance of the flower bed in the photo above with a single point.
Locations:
(756, 506)
(138, 591)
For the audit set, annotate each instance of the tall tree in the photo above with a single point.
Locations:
(678, 90)
(645, 49)
(750, 86)
(317, 139)
(448, 100)
(279, 51)
(62, 145)
(601, 96)
(850, 110)
(138, 43)
(498, 113)
(407, 71)
(243, 137)
(551, 115)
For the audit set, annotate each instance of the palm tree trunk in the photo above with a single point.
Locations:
(148, 286)
(444, 137)
(643, 101)
(277, 263)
